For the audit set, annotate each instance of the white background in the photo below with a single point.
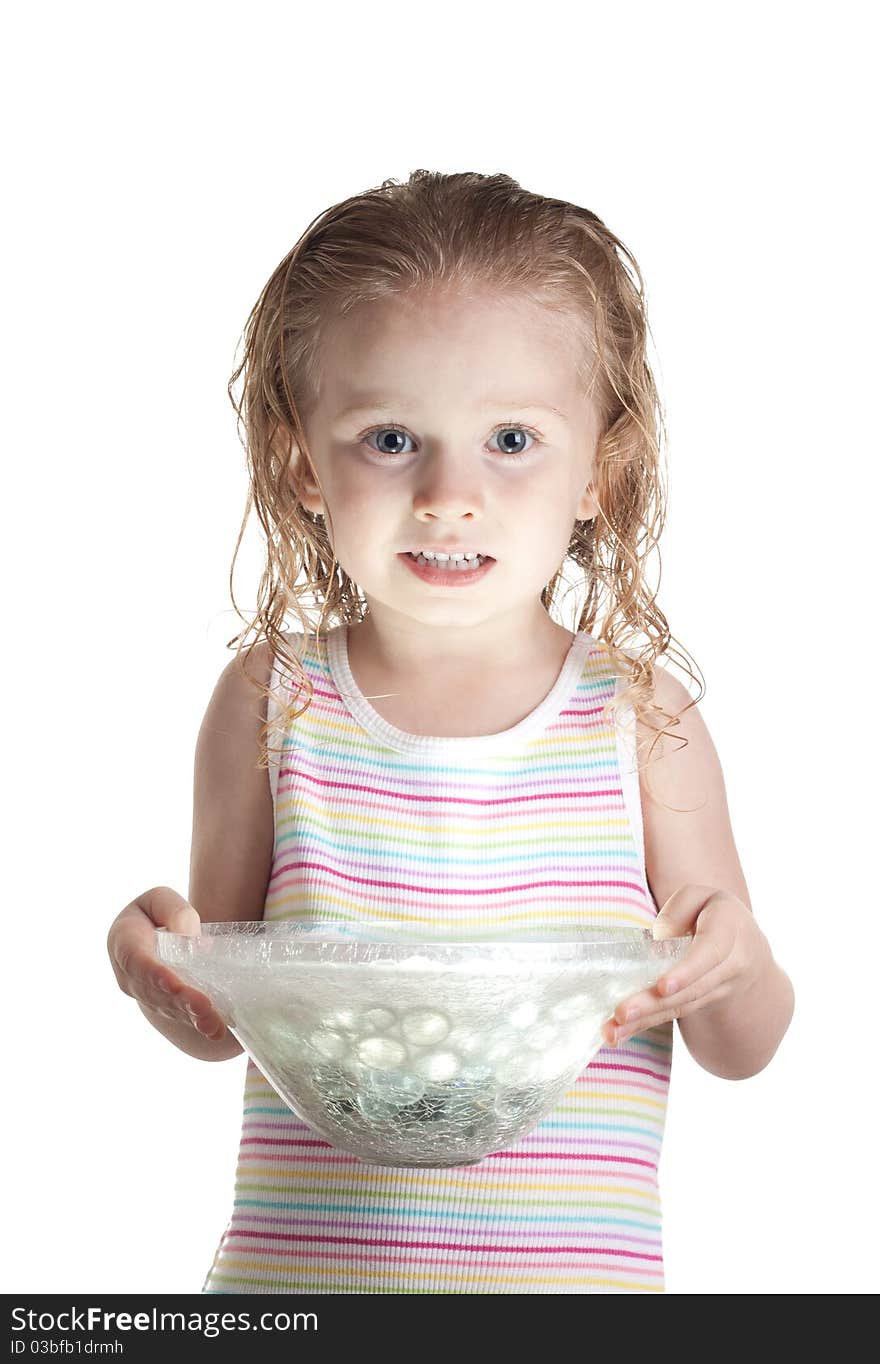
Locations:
(160, 160)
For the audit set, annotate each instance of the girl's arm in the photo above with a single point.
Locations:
(233, 836)
(732, 1000)
(230, 865)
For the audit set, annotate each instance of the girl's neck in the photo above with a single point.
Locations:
(459, 699)
(412, 650)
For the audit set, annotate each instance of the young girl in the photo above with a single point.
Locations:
(446, 403)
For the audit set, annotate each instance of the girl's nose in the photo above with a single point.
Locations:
(447, 486)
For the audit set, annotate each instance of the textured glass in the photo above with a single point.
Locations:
(403, 1048)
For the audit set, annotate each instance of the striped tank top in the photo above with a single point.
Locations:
(537, 826)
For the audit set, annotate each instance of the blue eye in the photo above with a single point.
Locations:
(518, 431)
(395, 429)
(388, 431)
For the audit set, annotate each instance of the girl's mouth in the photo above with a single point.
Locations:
(445, 573)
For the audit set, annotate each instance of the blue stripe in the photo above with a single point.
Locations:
(573, 760)
(303, 833)
(447, 1213)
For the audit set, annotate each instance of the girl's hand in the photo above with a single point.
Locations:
(728, 955)
(131, 944)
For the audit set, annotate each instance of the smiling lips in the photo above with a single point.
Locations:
(447, 572)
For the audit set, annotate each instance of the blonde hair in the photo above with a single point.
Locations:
(470, 232)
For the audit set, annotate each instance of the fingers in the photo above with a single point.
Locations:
(180, 1003)
(203, 1016)
(614, 1034)
(693, 982)
(140, 974)
(701, 968)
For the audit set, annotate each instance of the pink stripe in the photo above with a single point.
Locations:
(612, 1066)
(347, 783)
(551, 794)
(337, 706)
(630, 901)
(401, 1244)
(448, 890)
(513, 1154)
(400, 1228)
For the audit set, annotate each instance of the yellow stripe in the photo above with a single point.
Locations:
(296, 807)
(425, 1189)
(638, 1101)
(327, 1273)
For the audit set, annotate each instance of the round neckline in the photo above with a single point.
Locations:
(400, 739)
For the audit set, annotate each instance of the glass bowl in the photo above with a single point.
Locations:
(405, 1047)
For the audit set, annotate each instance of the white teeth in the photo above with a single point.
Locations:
(439, 554)
(458, 563)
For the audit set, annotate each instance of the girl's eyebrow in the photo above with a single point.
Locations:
(369, 402)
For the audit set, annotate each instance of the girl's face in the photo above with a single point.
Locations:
(451, 421)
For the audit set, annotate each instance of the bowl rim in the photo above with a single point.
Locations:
(289, 926)
(254, 942)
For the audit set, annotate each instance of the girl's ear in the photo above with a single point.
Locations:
(588, 507)
(300, 475)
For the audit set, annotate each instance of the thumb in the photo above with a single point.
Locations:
(681, 911)
(169, 910)
(185, 920)
(665, 926)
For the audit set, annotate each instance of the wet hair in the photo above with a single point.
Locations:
(468, 233)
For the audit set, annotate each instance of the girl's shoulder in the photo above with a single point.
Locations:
(270, 659)
(672, 697)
